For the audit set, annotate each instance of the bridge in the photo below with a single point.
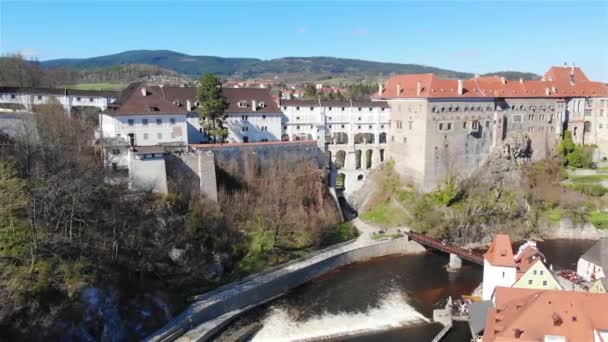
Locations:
(456, 253)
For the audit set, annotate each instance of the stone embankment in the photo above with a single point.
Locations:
(566, 229)
(212, 311)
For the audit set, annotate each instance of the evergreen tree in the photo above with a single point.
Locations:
(212, 108)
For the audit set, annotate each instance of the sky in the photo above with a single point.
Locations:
(471, 36)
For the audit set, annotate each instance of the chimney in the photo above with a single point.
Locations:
(144, 92)
(476, 75)
(521, 80)
(254, 105)
(418, 88)
(460, 87)
(398, 89)
(572, 74)
(188, 105)
(547, 91)
(503, 80)
(380, 89)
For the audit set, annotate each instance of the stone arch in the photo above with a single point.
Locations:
(340, 159)
(382, 138)
(340, 181)
(285, 137)
(340, 138)
(358, 155)
(368, 159)
(364, 138)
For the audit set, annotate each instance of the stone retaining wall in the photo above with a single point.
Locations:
(194, 322)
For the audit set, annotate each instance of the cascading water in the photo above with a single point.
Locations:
(392, 311)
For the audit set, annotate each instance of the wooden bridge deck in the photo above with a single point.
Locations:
(447, 248)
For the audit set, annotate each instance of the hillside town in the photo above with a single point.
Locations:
(288, 171)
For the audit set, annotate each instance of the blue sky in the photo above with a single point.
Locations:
(473, 36)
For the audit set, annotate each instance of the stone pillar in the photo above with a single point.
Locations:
(350, 161)
(455, 262)
(375, 157)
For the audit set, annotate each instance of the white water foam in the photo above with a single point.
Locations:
(392, 312)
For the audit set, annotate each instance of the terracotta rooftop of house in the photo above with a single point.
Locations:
(528, 257)
(142, 99)
(334, 103)
(598, 254)
(530, 315)
(500, 252)
(556, 84)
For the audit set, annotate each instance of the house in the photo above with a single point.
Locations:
(594, 263)
(23, 98)
(599, 286)
(252, 114)
(532, 272)
(141, 116)
(499, 267)
(546, 315)
(443, 127)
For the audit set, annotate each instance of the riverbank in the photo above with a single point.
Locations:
(213, 310)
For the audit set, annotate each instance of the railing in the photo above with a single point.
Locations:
(460, 252)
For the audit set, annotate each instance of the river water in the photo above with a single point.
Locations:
(385, 299)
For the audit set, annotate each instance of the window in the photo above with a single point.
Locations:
(370, 126)
(115, 151)
(285, 127)
(244, 129)
(298, 127)
(410, 123)
(298, 108)
(13, 96)
(39, 97)
(297, 118)
(144, 122)
(530, 282)
(359, 127)
(329, 108)
(284, 107)
(262, 104)
(464, 125)
(90, 99)
(487, 123)
(544, 283)
(130, 121)
(475, 125)
(534, 272)
(392, 138)
(245, 117)
(264, 117)
(404, 140)
(145, 136)
(541, 272)
(342, 108)
(159, 135)
(503, 274)
(381, 126)
(359, 108)
(342, 126)
(159, 122)
(359, 118)
(243, 104)
(78, 99)
(312, 108)
(172, 121)
(370, 109)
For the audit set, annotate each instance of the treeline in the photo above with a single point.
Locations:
(19, 72)
(357, 91)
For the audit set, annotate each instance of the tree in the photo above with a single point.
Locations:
(309, 90)
(212, 109)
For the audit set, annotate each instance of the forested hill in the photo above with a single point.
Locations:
(287, 69)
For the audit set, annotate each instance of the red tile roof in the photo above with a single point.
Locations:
(500, 252)
(529, 315)
(527, 258)
(556, 85)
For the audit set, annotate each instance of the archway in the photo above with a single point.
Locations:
(368, 159)
(285, 137)
(364, 138)
(381, 155)
(340, 178)
(340, 159)
(340, 138)
(358, 159)
(382, 138)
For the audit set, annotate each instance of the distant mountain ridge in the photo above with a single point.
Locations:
(286, 69)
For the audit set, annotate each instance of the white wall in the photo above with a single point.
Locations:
(29, 100)
(146, 134)
(147, 172)
(586, 269)
(494, 276)
(258, 127)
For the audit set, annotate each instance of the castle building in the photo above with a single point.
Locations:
(27, 99)
(440, 127)
(354, 133)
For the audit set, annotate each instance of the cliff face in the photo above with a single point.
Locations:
(503, 166)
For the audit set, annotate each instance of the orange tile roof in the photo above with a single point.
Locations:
(500, 252)
(527, 258)
(529, 315)
(554, 85)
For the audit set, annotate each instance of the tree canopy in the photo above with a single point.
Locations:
(212, 107)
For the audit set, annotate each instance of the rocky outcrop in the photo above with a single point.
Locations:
(505, 160)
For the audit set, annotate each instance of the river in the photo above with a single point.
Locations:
(385, 299)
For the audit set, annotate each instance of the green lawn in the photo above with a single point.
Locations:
(96, 86)
(554, 215)
(385, 215)
(589, 178)
(599, 219)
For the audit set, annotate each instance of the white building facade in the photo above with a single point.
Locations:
(17, 98)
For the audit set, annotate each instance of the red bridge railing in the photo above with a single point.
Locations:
(447, 248)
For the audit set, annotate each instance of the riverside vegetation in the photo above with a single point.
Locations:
(533, 194)
(81, 258)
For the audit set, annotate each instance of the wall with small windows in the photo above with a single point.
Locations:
(538, 277)
(146, 130)
(253, 127)
(29, 101)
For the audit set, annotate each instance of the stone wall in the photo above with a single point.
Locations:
(200, 321)
(193, 173)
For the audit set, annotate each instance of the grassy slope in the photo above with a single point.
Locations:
(96, 86)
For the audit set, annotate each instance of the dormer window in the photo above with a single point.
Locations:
(242, 104)
(262, 104)
(312, 108)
